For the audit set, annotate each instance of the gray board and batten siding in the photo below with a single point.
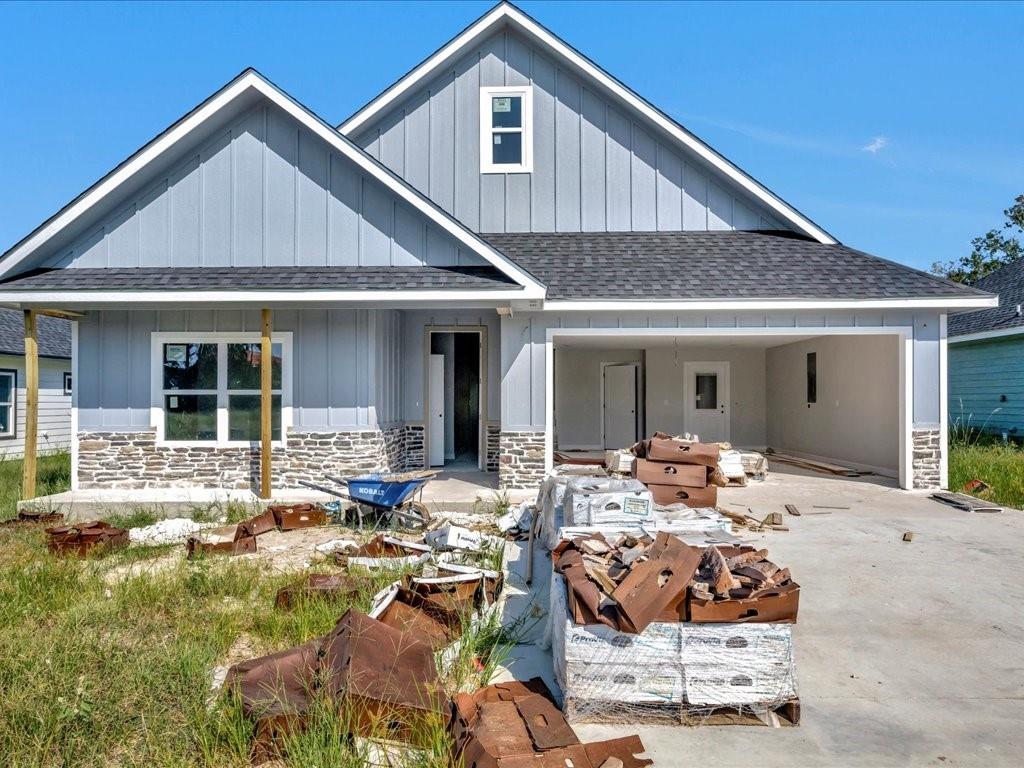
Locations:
(597, 165)
(263, 191)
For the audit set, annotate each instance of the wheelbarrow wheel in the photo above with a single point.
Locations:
(413, 515)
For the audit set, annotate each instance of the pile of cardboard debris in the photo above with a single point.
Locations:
(240, 539)
(643, 627)
(679, 471)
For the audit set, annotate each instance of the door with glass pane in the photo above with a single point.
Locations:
(706, 397)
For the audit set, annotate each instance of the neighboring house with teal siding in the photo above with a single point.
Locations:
(986, 358)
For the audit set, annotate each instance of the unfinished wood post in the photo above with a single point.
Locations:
(266, 412)
(28, 469)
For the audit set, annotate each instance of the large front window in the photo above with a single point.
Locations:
(209, 387)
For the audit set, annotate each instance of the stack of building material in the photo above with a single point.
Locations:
(606, 501)
(677, 471)
(517, 724)
(629, 643)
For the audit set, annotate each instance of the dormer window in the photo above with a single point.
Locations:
(506, 129)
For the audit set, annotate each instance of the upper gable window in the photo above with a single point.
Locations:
(506, 129)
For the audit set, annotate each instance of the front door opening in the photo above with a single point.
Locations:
(454, 379)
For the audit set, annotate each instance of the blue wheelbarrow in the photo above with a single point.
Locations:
(387, 496)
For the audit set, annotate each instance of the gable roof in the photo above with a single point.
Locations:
(1004, 320)
(244, 86)
(53, 335)
(706, 267)
(507, 14)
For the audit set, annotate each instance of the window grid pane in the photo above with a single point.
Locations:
(507, 148)
(244, 366)
(190, 417)
(6, 388)
(506, 111)
(244, 417)
(5, 419)
(190, 366)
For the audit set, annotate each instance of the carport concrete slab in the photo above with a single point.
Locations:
(908, 654)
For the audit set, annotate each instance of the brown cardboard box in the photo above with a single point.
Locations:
(677, 494)
(680, 452)
(777, 605)
(661, 473)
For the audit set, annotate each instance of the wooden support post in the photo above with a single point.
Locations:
(28, 472)
(266, 399)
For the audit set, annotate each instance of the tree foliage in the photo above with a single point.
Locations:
(990, 251)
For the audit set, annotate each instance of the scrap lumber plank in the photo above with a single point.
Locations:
(793, 510)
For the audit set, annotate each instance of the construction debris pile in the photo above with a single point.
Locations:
(81, 539)
(678, 471)
(514, 724)
(643, 627)
(240, 539)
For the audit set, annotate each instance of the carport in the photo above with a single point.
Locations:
(836, 394)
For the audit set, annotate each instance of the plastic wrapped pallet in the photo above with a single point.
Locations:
(731, 465)
(668, 670)
(606, 500)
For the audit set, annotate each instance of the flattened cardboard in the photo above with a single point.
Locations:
(778, 605)
(664, 473)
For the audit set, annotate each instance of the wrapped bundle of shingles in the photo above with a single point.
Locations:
(643, 628)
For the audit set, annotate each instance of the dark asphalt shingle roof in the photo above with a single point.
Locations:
(1008, 282)
(711, 265)
(260, 278)
(52, 334)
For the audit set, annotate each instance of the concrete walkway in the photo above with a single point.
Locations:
(908, 654)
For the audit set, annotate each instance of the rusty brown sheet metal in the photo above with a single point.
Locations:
(32, 517)
(517, 725)
(458, 597)
(80, 539)
(655, 584)
(259, 524)
(320, 586)
(378, 547)
(290, 517)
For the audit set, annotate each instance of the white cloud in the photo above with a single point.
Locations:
(877, 144)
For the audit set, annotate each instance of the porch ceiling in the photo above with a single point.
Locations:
(617, 340)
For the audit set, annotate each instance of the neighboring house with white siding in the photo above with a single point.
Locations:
(508, 252)
(55, 384)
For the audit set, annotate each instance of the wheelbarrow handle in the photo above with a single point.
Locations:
(336, 479)
(332, 491)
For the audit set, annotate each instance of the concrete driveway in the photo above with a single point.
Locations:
(908, 654)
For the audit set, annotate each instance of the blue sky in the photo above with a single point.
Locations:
(897, 127)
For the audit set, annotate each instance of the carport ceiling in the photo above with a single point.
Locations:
(618, 340)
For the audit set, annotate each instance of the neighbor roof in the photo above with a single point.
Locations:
(52, 334)
(660, 266)
(506, 13)
(1008, 282)
(260, 278)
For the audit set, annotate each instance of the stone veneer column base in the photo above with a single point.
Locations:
(493, 446)
(133, 459)
(521, 459)
(927, 458)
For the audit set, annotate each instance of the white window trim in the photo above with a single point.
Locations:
(157, 340)
(525, 92)
(12, 430)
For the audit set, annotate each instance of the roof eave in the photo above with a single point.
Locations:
(940, 303)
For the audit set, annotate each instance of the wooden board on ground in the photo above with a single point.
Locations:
(817, 466)
(966, 503)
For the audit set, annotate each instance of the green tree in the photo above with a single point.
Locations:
(990, 251)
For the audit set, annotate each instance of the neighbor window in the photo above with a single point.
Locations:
(8, 395)
(210, 387)
(812, 377)
(506, 130)
(67, 383)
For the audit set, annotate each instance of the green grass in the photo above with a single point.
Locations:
(1000, 465)
(97, 671)
(53, 476)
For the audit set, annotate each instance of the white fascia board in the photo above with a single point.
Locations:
(531, 28)
(256, 298)
(972, 302)
(985, 335)
(253, 81)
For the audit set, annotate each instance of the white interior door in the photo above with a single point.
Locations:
(706, 393)
(436, 411)
(620, 405)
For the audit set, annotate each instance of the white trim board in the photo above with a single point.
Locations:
(985, 335)
(768, 304)
(507, 13)
(905, 333)
(249, 82)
